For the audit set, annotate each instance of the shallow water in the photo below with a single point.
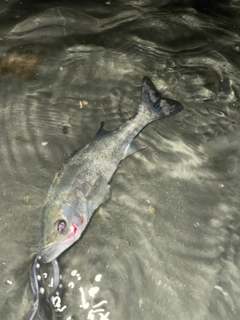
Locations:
(166, 244)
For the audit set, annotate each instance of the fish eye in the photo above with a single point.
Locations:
(60, 225)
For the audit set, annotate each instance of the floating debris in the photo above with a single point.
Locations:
(151, 209)
(44, 143)
(21, 64)
(82, 103)
(26, 199)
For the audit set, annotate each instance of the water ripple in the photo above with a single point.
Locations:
(166, 244)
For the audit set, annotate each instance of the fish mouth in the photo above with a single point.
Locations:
(53, 250)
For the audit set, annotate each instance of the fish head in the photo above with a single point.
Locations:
(62, 225)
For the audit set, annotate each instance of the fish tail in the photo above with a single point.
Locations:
(153, 106)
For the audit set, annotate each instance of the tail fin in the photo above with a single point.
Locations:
(154, 105)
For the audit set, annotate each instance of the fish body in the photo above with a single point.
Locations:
(82, 184)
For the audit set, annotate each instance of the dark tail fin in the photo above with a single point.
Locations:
(153, 105)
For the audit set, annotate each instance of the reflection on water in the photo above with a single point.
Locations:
(167, 242)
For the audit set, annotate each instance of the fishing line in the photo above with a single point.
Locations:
(35, 286)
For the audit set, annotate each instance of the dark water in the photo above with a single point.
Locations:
(166, 245)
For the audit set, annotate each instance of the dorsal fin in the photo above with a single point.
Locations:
(101, 131)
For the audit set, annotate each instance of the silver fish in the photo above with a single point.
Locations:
(82, 184)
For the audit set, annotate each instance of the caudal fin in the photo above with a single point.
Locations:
(154, 105)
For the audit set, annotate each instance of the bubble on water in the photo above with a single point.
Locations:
(71, 285)
(51, 283)
(236, 48)
(84, 304)
(93, 291)
(94, 311)
(56, 301)
(41, 290)
(74, 273)
(61, 309)
(8, 282)
(221, 290)
(98, 277)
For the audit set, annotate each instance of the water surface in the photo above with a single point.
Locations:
(166, 244)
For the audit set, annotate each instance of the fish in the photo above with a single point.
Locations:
(83, 182)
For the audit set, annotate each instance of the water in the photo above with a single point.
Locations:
(166, 245)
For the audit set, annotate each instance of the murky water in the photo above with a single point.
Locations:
(166, 244)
